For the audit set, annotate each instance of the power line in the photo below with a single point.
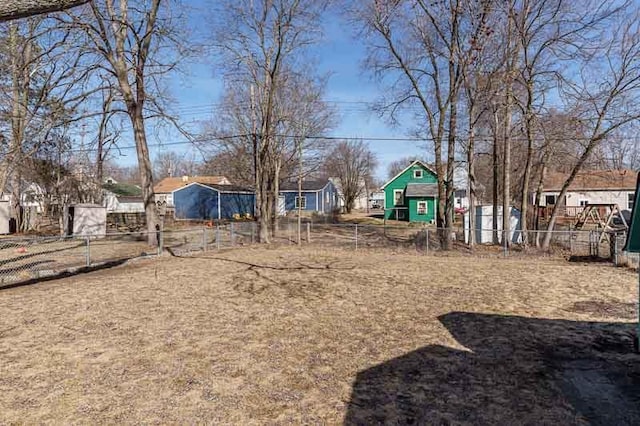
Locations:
(200, 140)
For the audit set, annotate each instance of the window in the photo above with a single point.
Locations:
(326, 197)
(583, 203)
(630, 198)
(301, 202)
(422, 207)
(417, 174)
(398, 197)
(400, 214)
(550, 200)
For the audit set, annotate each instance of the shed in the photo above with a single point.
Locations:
(412, 194)
(484, 225)
(5, 216)
(320, 196)
(201, 201)
(85, 220)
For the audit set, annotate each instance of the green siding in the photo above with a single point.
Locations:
(413, 209)
(401, 182)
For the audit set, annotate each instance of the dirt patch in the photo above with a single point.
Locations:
(601, 308)
(302, 335)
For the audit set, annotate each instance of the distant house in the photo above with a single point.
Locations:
(122, 198)
(320, 196)
(164, 189)
(412, 194)
(590, 187)
(201, 201)
(360, 203)
(376, 200)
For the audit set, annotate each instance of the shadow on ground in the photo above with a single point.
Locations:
(70, 272)
(516, 371)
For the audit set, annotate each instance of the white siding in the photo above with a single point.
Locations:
(574, 198)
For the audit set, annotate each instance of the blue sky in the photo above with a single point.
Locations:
(339, 55)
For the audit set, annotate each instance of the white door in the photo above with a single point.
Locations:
(282, 206)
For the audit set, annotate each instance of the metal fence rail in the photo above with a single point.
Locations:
(23, 259)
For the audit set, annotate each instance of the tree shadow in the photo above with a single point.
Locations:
(516, 371)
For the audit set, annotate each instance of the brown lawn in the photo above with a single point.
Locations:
(299, 336)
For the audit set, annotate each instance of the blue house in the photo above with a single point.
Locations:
(318, 196)
(202, 201)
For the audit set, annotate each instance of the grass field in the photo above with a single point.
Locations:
(301, 336)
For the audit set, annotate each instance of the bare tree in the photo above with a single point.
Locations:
(602, 95)
(42, 75)
(260, 42)
(15, 9)
(421, 48)
(137, 43)
(353, 163)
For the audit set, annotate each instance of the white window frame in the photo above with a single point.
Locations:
(583, 203)
(398, 201)
(630, 199)
(555, 199)
(415, 174)
(299, 205)
(426, 208)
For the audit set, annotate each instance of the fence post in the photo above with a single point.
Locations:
(88, 251)
(253, 231)
(308, 232)
(356, 236)
(218, 236)
(427, 244)
(504, 242)
(161, 236)
(204, 238)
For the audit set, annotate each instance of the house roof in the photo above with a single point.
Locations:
(123, 189)
(222, 188)
(307, 185)
(422, 190)
(593, 180)
(413, 163)
(170, 184)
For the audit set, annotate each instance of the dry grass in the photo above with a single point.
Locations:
(316, 337)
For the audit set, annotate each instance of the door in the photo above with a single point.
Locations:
(70, 214)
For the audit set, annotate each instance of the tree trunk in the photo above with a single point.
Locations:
(524, 206)
(506, 169)
(496, 179)
(539, 190)
(451, 147)
(146, 172)
(300, 171)
(471, 178)
(274, 198)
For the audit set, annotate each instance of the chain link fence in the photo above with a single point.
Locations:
(25, 259)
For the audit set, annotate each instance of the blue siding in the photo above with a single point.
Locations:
(236, 203)
(290, 200)
(196, 202)
(201, 203)
(322, 201)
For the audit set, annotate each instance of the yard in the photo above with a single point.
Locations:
(300, 336)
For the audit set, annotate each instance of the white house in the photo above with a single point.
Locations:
(590, 187)
(360, 203)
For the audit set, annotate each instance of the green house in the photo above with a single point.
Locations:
(412, 194)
